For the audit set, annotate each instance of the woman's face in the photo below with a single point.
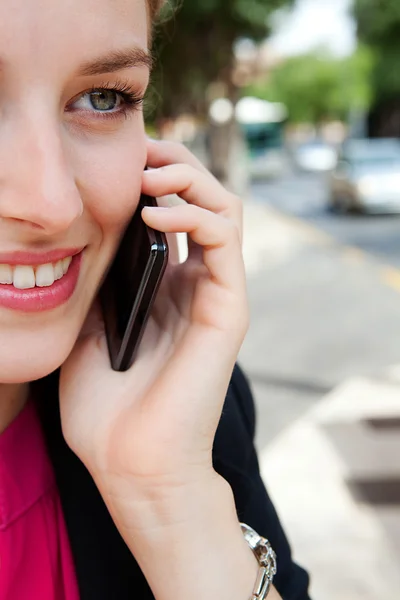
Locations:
(71, 161)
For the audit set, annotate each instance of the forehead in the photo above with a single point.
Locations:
(50, 32)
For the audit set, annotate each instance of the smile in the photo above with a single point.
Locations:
(39, 286)
(25, 277)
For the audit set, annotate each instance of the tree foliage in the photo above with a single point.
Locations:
(378, 23)
(316, 87)
(194, 47)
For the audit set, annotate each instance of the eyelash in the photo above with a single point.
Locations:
(132, 100)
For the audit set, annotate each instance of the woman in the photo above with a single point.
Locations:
(147, 501)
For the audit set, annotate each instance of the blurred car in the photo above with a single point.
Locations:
(367, 177)
(315, 156)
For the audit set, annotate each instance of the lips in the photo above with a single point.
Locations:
(37, 258)
(39, 281)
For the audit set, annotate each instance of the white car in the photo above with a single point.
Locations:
(315, 156)
(367, 177)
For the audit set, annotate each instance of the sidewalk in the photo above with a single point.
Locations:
(335, 478)
(334, 471)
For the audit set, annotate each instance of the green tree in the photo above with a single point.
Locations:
(194, 48)
(316, 87)
(194, 51)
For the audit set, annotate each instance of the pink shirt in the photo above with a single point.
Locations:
(35, 556)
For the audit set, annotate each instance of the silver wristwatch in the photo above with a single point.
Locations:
(266, 559)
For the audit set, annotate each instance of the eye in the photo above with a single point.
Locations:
(108, 100)
(103, 100)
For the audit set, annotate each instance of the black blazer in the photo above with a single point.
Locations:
(106, 570)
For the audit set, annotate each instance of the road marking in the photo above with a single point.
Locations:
(388, 274)
(308, 230)
(354, 254)
(391, 277)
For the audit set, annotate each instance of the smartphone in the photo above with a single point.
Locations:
(130, 286)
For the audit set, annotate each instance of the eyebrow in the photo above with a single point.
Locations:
(117, 60)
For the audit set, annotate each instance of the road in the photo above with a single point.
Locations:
(320, 312)
(324, 294)
(304, 195)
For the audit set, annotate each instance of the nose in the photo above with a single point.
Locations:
(37, 185)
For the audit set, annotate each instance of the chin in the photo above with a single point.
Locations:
(39, 356)
(28, 370)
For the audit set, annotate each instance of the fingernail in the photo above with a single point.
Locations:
(156, 208)
(154, 171)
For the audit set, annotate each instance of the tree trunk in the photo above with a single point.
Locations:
(384, 119)
(228, 156)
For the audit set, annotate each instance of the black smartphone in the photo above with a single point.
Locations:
(130, 286)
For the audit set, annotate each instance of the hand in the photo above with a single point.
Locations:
(146, 435)
(153, 427)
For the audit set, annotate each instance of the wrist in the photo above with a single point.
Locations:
(165, 503)
(160, 501)
(188, 542)
(196, 548)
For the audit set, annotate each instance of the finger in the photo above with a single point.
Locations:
(217, 236)
(195, 188)
(163, 153)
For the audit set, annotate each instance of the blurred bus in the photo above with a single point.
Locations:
(263, 126)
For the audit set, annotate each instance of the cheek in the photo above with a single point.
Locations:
(109, 177)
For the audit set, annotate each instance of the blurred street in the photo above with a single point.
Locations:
(305, 195)
(321, 355)
(325, 306)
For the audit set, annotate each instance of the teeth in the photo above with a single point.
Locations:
(58, 270)
(24, 277)
(45, 275)
(6, 274)
(65, 263)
